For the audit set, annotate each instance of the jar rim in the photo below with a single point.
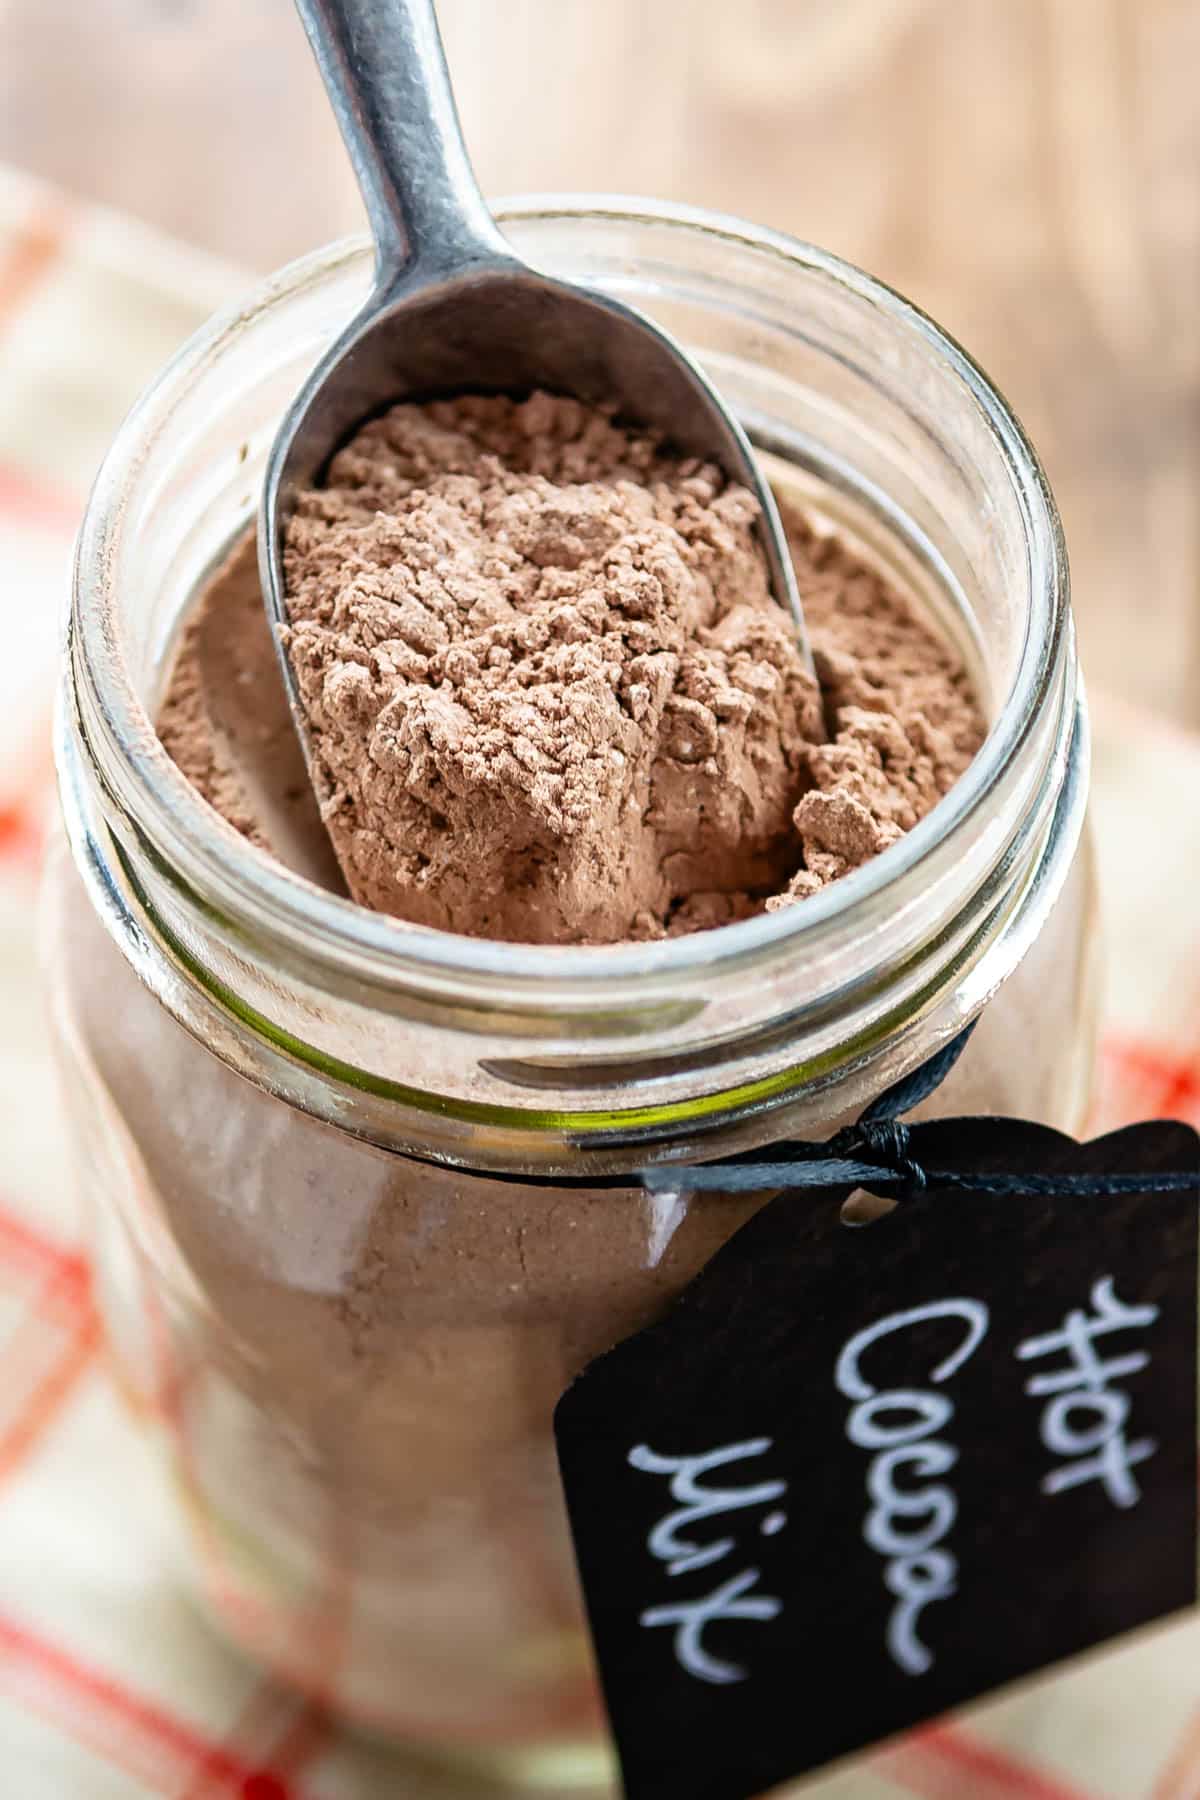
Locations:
(247, 883)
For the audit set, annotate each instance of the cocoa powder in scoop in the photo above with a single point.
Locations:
(551, 698)
(549, 693)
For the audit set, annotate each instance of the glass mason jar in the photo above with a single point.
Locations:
(348, 1335)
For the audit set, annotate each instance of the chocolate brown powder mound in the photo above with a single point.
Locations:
(552, 697)
(905, 715)
(549, 692)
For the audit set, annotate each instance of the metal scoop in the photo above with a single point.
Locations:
(452, 309)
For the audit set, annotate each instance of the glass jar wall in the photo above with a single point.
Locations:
(347, 1334)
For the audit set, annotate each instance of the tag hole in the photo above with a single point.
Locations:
(861, 1208)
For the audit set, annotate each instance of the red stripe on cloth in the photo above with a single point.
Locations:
(943, 1762)
(1175, 1080)
(37, 501)
(57, 1336)
(278, 1730)
(21, 1244)
(21, 835)
(48, 1395)
(32, 255)
(150, 1740)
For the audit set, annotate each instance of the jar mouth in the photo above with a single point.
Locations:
(239, 881)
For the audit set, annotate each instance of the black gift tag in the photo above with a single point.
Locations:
(856, 1477)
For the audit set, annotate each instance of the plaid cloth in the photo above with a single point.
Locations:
(110, 1686)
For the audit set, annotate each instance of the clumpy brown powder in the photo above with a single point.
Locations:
(905, 719)
(550, 695)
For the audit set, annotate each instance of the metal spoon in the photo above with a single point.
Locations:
(452, 309)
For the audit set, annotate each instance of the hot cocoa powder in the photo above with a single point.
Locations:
(365, 1349)
(549, 693)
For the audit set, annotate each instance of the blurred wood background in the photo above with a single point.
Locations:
(1028, 170)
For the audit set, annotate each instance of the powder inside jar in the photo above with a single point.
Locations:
(550, 695)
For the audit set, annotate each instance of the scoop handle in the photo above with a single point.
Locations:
(384, 69)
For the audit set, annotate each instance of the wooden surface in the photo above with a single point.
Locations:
(1028, 170)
